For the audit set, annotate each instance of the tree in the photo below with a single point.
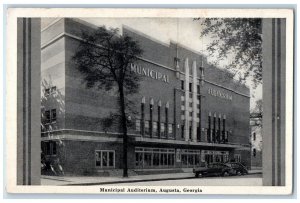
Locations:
(104, 58)
(239, 39)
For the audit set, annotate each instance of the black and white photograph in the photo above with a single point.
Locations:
(150, 101)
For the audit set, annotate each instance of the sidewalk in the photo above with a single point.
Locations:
(96, 180)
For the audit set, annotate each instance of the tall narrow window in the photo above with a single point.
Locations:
(154, 129)
(219, 129)
(53, 115)
(143, 117)
(254, 136)
(162, 130)
(209, 129)
(167, 118)
(138, 125)
(214, 129)
(47, 116)
(147, 132)
(182, 131)
(226, 136)
(151, 117)
(159, 119)
(198, 134)
(224, 130)
(198, 89)
(53, 148)
(170, 130)
(182, 84)
(254, 152)
(190, 87)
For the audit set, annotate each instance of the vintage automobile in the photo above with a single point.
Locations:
(214, 169)
(239, 169)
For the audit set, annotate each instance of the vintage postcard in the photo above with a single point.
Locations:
(149, 101)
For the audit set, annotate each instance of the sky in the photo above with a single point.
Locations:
(185, 31)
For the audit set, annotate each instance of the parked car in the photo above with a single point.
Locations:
(239, 169)
(213, 169)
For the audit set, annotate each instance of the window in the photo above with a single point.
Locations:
(224, 131)
(53, 148)
(53, 89)
(226, 136)
(182, 131)
(198, 134)
(162, 130)
(254, 136)
(190, 87)
(214, 130)
(151, 118)
(154, 124)
(138, 125)
(105, 158)
(167, 118)
(139, 159)
(219, 131)
(48, 116)
(190, 133)
(147, 132)
(254, 152)
(154, 157)
(182, 84)
(190, 158)
(49, 147)
(47, 92)
(143, 117)
(159, 119)
(170, 130)
(237, 158)
(209, 129)
(198, 89)
(53, 115)
(50, 90)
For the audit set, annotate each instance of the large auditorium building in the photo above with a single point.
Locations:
(188, 112)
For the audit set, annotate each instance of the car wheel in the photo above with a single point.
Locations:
(225, 173)
(198, 175)
(239, 173)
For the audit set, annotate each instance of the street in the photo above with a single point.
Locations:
(247, 180)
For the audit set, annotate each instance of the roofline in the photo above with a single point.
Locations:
(145, 35)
